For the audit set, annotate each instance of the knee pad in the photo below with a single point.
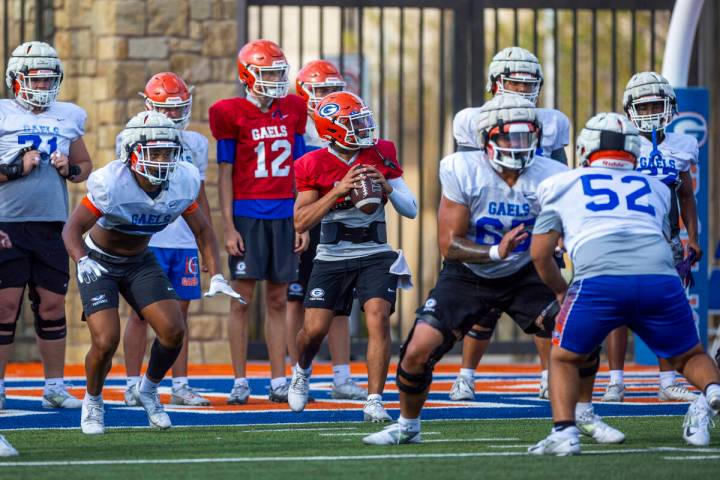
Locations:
(7, 337)
(46, 329)
(480, 334)
(420, 381)
(590, 370)
(423, 380)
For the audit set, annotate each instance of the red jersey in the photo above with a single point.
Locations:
(264, 141)
(320, 169)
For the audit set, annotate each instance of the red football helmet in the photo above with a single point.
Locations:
(263, 69)
(317, 79)
(342, 118)
(168, 94)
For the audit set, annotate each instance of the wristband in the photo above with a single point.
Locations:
(73, 171)
(494, 253)
(12, 171)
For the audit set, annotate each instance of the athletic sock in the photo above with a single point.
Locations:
(161, 359)
(667, 379)
(240, 381)
(582, 407)
(712, 389)
(53, 384)
(374, 396)
(544, 376)
(130, 381)
(278, 382)
(304, 371)
(178, 382)
(616, 377)
(341, 374)
(148, 387)
(412, 424)
(92, 398)
(560, 426)
(467, 373)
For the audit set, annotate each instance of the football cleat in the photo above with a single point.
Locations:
(561, 444)
(299, 390)
(463, 389)
(239, 394)
(714, 402)
(6, 450)
(157, 418)
(676, 393)
(279, 394)
(593, 426)
(615, 393)
(185, 395)
(92, 418)
(544, 391)
(696, 425)
(130, 399)
(393, 434)
(374, 411)
(348, 391)
(60, 398)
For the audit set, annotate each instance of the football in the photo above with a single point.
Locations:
(367, 197)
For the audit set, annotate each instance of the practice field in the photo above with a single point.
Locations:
(488, 437)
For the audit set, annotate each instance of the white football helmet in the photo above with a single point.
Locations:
(508, 130)
(517, 65)
(151, 146)
(30, 64)
(648, 88)
(608, 140)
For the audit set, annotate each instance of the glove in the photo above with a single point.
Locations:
(684, 270)
(218, 284)
(88, 270)
(546, 320)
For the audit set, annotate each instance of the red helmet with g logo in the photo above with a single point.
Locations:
(343, 118)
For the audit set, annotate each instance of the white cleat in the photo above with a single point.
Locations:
(130, 399)
(593, 426)
(348, 391)
(7, 450)
(544, 391)
(374, 411)
(560, 444)
(615, 393)
(299, 391)
(463, 389)
(185, 395)
(393, 435)
(696, 425)
(92, 418)
(676, 393)
(60, 398)
(239, 394)
(157, 418)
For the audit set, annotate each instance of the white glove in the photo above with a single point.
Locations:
(218, 284)
(88, 270)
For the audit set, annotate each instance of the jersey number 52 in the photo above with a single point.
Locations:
(610, 200)
(276, 169)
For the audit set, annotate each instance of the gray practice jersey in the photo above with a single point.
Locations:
(42, 195)
(469, 179)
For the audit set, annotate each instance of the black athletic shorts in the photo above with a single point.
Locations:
(37, 256)
(334, 284)
(269, 250)
(296, 289)
(139, 279)
(461, 299)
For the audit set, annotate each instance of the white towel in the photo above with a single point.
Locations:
(401, 268)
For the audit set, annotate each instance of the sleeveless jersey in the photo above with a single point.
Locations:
(51, 130)
(469, 179)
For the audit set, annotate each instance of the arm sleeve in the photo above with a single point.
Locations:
(451, 188)
(402, 198)
(226, 151)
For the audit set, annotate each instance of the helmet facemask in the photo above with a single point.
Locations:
(26, 87)
(318, 91)
(271, 81)
(175, 108)
(522, 84)
(651, 113)
(512, 145)
(360, 129)
(155, 160)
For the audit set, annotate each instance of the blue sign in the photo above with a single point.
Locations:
(693, 104)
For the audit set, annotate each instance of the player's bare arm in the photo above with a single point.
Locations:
(28, 161)
(79, 157)
(205, 207)
(310, 208)
(688, 212)
(302, 242)
(453, 220)
(206, 240)
(542, 251)
(234, 244)
(81, 220)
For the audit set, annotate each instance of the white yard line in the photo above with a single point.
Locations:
(695, 457)
(365, 433)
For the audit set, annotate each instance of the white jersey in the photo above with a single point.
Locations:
(555, 129)
(677, 153)
(127, 208)
(613, 222)
(469, 179)
(51, 130)
(178, 234)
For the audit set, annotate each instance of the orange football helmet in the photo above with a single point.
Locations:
(263, 69)
(168, 94)
(343, 118)
(317, 79)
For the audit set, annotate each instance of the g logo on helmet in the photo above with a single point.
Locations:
(690, 123)
(329, 110)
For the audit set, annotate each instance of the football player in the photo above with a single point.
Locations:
(516, 71)
(41, 149)
(606, 214)
(257, 139)
(315, 80)
(353, 257)
(650, 104)
(487, 209)
(128, 201)
(175, 246)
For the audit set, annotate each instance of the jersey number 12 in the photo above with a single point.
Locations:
(281, 145)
